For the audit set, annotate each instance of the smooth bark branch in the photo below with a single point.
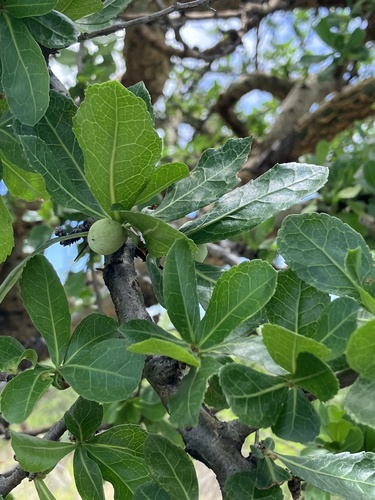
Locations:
(217, 444)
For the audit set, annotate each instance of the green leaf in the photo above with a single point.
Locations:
(156, 275)
(84, 419)
(27, 185)
(171, 467)
(363, 390)
(207, 277)
(87, 475)
(37, 455)
(10, 146)
(323, 241)
(75, 9)
(25, 76)
(164, 176)
(315, 377)
(7, 240)
(256, 398)
(246, 207)
(13, 276)
(180, 290)
(214, 176)
(240, 485)
(53, 30)
(20, 8)
(298, 420)
(139, 89)
(284, 346)
(336, 324)
(344, 474)
(239, 294)
(21, 394)
(185, 405)
(359, 351)
(45, 301)
(93, 329)
(165, 348)
(296, 305)
(12, 353)
(120, 145)
(269, 474)
(111, 9)
(65, 186)
(140, 329)
(42, 489)
(151, 491)
(119, 454)
(158, 235)
(104, 372)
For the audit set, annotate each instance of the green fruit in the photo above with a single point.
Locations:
(106, 236)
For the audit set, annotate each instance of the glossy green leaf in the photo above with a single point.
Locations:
(343, 474)
(21, 394)
(75, 9)
(64, 186)
(14, 275)
(27, 185)
(315, 376)
(284, 346)
(84, 419)
(87, 475)
(323, 241)
(42, 489)
(180, 290)
(163, 176)
(298, 420)
(93, 329)
(256, 398)
(360, 350)
(139, 89)
(140, 329)
(240, 485)
(246, 207)
(45, 301)
(111, 9)
(53, 30)
(119, 452)
(12, 353)
(363, 390)
(336, 324)
(120, 145)
(20, 8)
(104, 372)
(215, 175)
(239, 294)
(156, 275)
(185, 405)
(296, 305)
(207, 277)
(171, 467)
(10, 146)
(7, 240)
(165, 348)
(269, 474)
(158, 235)
(151, 491)
(25, 76)
(37, 455)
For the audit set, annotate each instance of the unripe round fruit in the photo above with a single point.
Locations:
(201, 254)
(106, 236)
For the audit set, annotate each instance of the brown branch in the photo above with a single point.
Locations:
(215, 443)
(176, 7)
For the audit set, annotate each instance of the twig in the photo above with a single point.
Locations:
(176, 7)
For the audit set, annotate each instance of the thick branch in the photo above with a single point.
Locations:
(215, 443)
